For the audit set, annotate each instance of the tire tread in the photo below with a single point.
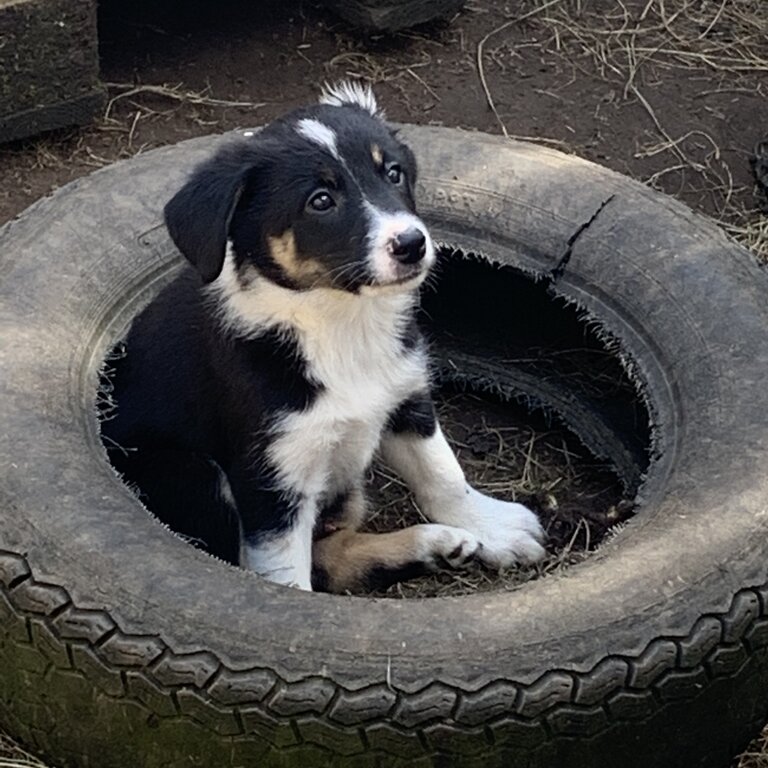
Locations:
(47, 630)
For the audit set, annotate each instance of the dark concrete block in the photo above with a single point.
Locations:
(49, 65)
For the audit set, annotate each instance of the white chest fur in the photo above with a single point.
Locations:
(353, 348)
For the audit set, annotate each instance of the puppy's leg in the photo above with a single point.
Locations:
(352, 561)
(277, 526)
(345, 510)
(415, 447)
(283, 555)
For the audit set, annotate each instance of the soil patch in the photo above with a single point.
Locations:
(672, 93)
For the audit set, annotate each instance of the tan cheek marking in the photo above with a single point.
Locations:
(377, 155)
(282, 248)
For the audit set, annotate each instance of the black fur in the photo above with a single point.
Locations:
(415, 415)
(196, 398)
(165, 388)
(379, 577)
(267, 180)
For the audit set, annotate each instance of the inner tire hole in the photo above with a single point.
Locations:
(520, 376)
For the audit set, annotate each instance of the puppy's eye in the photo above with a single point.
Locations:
(321, 202)
(395, 173)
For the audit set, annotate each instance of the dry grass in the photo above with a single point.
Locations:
(756, 755)
(726, 40)
(114, 134)
(13, 756)
(749, 228)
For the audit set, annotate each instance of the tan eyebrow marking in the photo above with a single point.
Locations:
(377, 155)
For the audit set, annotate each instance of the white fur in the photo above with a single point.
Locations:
(385, 227)
(319, 133)
(351, 92)
(435, 542)
(352, 345)
(284, 558)
(224, 488)
(508, 533)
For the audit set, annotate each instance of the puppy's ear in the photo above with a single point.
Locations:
(199, 214)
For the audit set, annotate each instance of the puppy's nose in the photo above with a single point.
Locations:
(410, 246)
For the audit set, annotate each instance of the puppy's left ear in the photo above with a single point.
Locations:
(199, 214)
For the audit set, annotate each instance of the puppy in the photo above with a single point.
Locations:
(258, 386)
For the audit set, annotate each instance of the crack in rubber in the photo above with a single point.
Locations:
(557, 272)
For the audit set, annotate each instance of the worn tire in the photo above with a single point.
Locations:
(391, 15)
(122, 646)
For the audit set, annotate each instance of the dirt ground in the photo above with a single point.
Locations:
(671, 92)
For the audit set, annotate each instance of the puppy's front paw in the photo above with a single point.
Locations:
(508, 533)
(445, 544)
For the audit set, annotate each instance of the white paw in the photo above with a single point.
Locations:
(443, 544)
(508, 533)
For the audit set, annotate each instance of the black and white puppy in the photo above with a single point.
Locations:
(259, 384)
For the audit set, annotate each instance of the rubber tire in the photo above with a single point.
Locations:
(392, 15)
(122, 646)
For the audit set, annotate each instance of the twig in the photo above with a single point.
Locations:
(481, 45)
(660, 128)
(132, 130)
(174, 93)
(714, 21)
(424, 83)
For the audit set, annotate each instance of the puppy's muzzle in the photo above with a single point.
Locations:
(410, 246)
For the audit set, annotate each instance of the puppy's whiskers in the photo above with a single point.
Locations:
(346, 275)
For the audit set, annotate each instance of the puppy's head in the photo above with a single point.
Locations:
(322, 197)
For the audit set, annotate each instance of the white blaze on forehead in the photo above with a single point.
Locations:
(349, 92)
(319, 133)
